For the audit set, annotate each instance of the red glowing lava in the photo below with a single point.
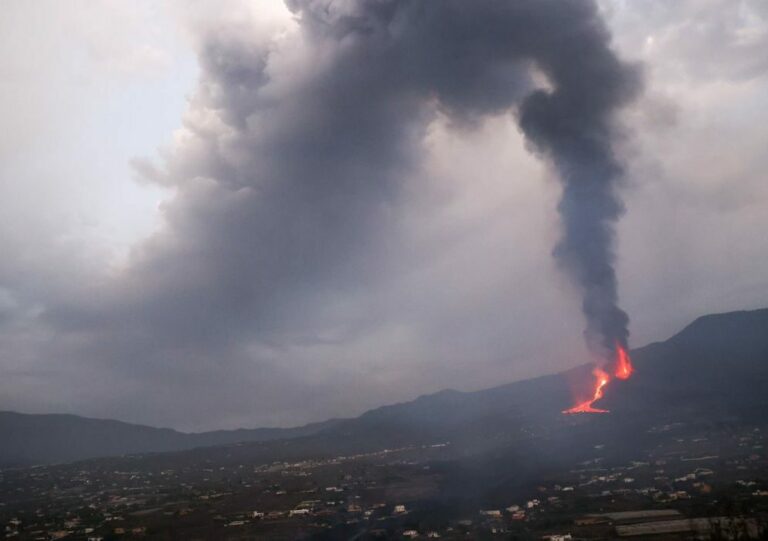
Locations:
(601, 380)
(623, 363)
(622, 369)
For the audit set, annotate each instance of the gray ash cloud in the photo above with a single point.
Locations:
(292, 167)
(476, 58)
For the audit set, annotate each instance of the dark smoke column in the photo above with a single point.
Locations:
(477, 58)
(572, 124)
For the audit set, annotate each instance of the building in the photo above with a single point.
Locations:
(701, 528)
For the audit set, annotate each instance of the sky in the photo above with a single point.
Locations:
(221, 217)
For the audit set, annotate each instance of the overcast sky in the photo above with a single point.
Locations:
(187, 242)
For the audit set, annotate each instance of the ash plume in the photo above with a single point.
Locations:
(290, 171)
(572, 124)
(477, 57)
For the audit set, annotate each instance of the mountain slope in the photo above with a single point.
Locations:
(716, 367)
(718, 363)
(39, 439)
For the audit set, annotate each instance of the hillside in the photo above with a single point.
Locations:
(717, 368)
(41, 439)
(717, 365)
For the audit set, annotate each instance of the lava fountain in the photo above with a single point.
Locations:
(622, 369)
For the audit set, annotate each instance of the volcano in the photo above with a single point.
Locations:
(622, 369)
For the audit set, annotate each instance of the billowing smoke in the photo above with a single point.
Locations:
(290, 172)
(477, 57)
(573, 125)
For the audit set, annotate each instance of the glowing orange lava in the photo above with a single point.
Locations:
(601, 380)
(623, 363)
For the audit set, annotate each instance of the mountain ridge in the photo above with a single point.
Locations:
(62, 437)
(691, 368)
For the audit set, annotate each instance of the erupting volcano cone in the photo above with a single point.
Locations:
(622, 369)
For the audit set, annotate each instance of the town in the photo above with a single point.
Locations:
(702, 482)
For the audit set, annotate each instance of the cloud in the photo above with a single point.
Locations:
(690, 243)
(290, 173)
